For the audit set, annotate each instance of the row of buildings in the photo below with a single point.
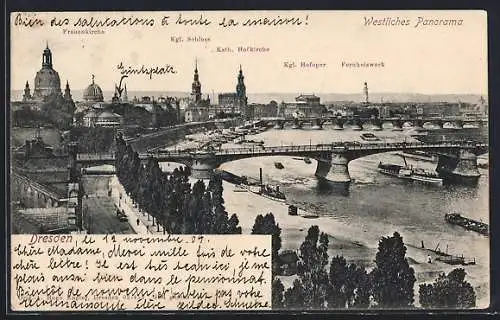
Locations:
(94, 111)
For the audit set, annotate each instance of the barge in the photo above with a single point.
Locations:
(467, 223)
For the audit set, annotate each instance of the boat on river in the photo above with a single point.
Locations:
(445, 257)
(271, 192)
(267, 190)
(369, 137)
(410, 173)
(467, 223)
(279, 165)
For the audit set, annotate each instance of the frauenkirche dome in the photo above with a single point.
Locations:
(47, 81)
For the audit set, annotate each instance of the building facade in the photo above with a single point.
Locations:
(265, 110)
(305, 105)
(235, 103)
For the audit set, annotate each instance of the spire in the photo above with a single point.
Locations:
(46, 44)
(67, 92)
(196, 86)
(125, 94)
(27, 92)
(93, 79)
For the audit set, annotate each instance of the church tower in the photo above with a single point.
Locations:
(27, 92)
(241, 95)
(241, 90)
(67, 92)
(196, 86)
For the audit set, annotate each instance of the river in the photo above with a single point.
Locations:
(374, 206)
(377, 205)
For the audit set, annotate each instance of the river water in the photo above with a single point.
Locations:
(377, 205)
(374, 205)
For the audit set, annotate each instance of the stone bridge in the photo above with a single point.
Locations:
(333, 159)
(374, 123)
(33, 194)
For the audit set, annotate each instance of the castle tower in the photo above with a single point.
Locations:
(27, 92)
(365, 92)
(67, 92)
(196, 86)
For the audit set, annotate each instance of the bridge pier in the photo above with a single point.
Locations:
(317, 124)
(296, 124)
(357, 125)
(334, 169)
(203, 166)
(397, 125)
(279, 125)
(338, 124)
(376, 125)
(418, 125)
(461, 168)
(459, 124)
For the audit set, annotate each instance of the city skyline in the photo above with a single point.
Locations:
(413, 61)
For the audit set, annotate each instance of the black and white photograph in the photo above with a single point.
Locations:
(249, 160)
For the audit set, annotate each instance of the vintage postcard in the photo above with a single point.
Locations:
(249, 160)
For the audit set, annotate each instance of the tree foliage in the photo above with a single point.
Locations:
(170, 199)
(349, 285)
(267, 225)
(448, 291)
(393, 278)
(312, 269)
(277, 294)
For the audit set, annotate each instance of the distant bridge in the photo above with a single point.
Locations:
(332, 158)
(358, 122)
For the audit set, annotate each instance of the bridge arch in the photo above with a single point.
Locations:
(332, 160)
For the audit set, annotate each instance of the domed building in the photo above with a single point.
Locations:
(93, 93)
(47, 81)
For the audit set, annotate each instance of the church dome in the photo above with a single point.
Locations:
(47, 81)
(93, 92)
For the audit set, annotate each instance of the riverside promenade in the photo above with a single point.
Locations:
(141, 222)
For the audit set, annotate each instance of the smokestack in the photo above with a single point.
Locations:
(365, 91)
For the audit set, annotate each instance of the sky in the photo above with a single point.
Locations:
(417, 58)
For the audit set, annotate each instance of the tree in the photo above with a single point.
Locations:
(448, 291)
(267, 225)
(349, 285)
(312, 268)
(393, 278)
(277, 294)
(339, 293)
(294, 296)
